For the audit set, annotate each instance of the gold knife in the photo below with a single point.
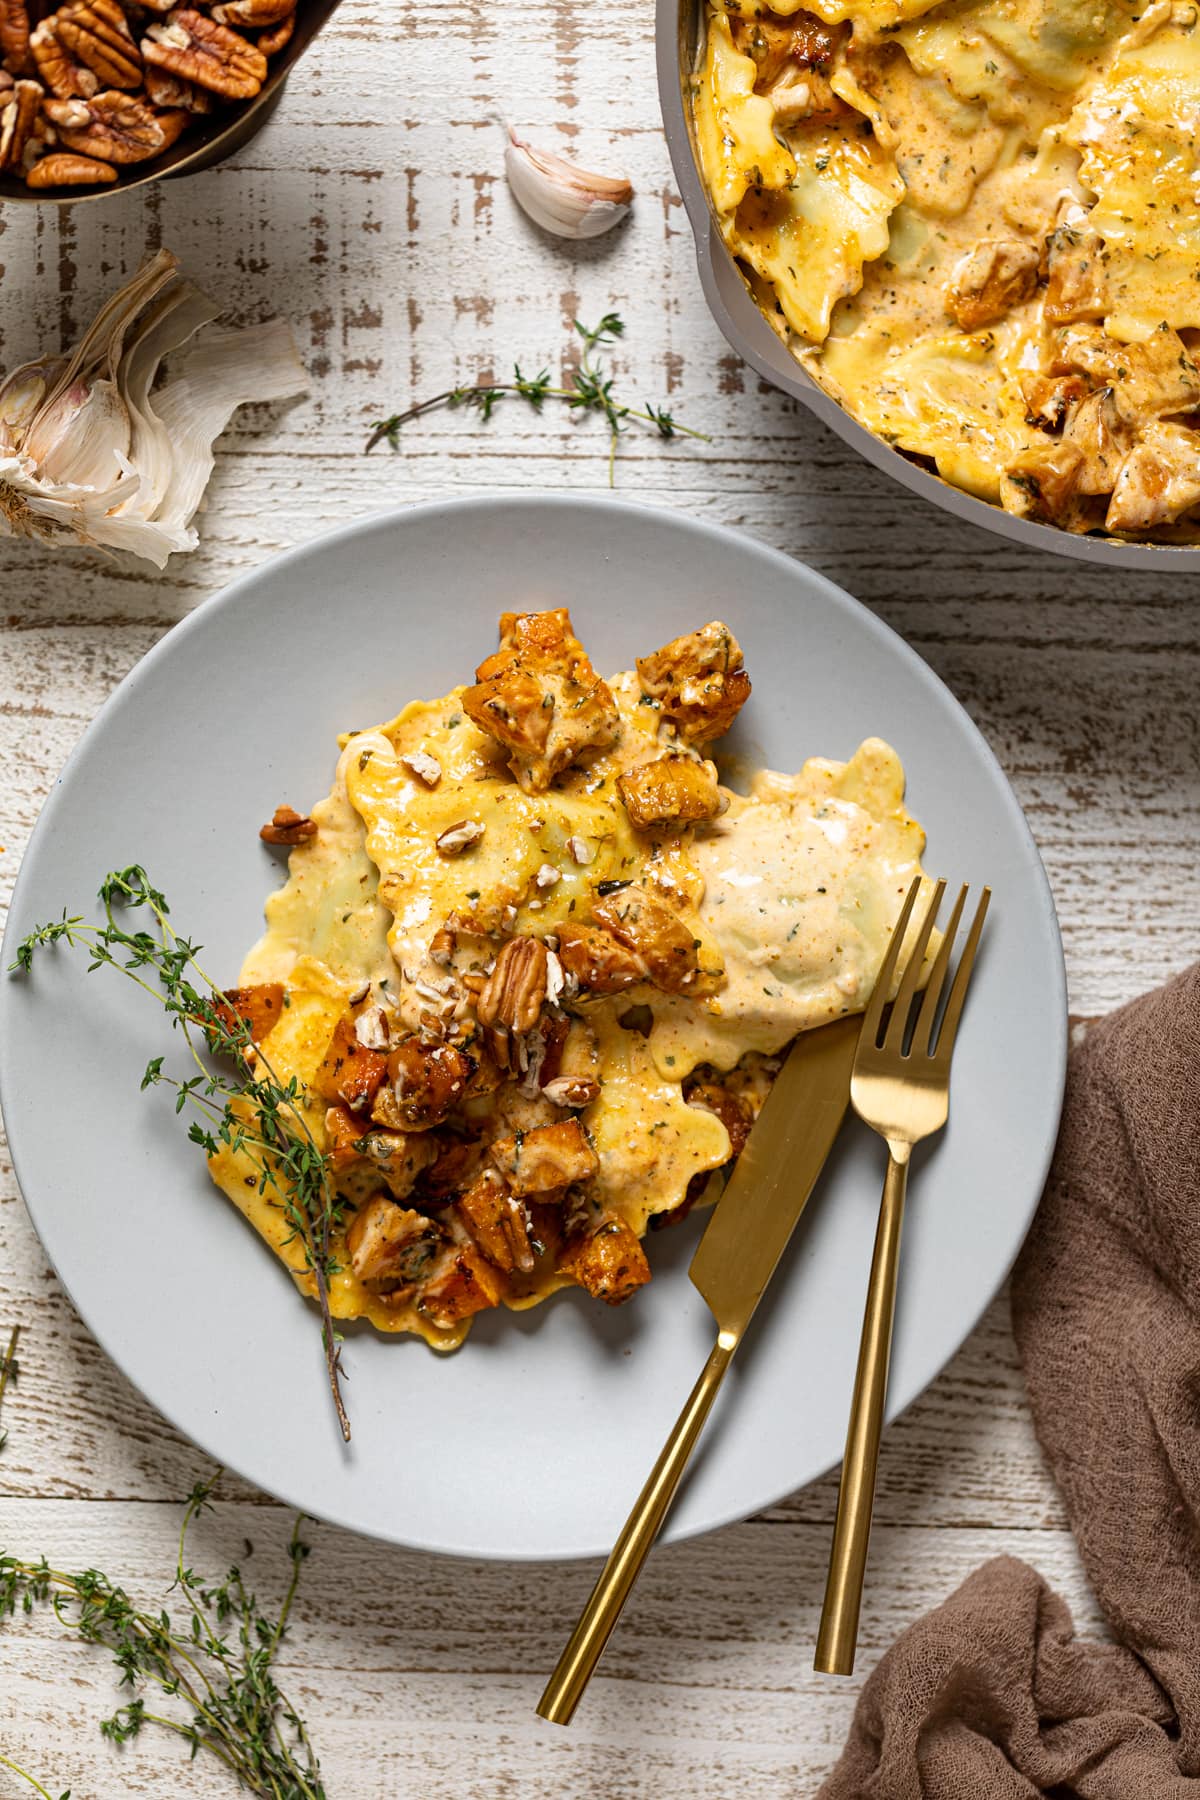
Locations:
(734, 1261)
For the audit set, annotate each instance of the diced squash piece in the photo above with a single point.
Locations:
(391, 1247)
(549, 1157)
(609, 1262)
(350, 1074)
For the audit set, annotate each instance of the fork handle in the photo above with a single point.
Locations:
(838, 1635)
(564, 1690)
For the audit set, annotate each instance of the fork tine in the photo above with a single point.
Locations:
(883, 981)
(923, 1030)
(962, 976)
(894, 1041)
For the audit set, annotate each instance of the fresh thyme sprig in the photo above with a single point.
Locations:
(9, 1370)
(590, 391)
(244, 1106)
(219, 1662)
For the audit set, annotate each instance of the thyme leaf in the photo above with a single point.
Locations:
(219, 1662)
(590, 390)
(241, 1104)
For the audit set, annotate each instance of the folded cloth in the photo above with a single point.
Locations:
(991, 1697)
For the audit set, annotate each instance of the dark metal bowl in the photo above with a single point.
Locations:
(210, 140)
(679, 34)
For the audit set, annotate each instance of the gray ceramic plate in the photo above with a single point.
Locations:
(533, 1440)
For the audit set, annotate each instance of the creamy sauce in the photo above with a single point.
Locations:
(791, 894)
(984, 121)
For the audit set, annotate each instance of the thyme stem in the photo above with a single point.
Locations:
(590, 390)
(249, 1111)
(8, 1371)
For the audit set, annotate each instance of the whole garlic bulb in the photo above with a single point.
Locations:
(561, 197)
(87, 449)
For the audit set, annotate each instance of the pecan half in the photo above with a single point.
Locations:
(96, 33)
(513, 995)
(58, 70)
(252, 14)
(200, 50)
(117, 128)
(71, 171)
(287, 826)
(169, 90)
(14, 32)
(18, 116)
(273, 41)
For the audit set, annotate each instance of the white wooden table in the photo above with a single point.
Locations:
(373, 211)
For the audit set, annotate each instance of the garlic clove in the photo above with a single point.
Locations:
(562, 198)
(22, 392)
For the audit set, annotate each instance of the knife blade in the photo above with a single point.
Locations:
(744, 1240)
(775, 1174)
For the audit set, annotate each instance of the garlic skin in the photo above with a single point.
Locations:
(561, 197)
(87, 449)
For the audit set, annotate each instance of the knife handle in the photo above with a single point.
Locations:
(837, 1638)
(564, 1690)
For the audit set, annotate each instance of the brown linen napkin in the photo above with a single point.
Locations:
(990, 1697)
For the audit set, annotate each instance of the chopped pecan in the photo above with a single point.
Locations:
(597, 962)
(512, 997)
(428, 1081)
(498, 1222)
(997, 274)
(253, 14)
(96, 33)
(70, 171)
(14, 32)
(470, 1284)
(540, 697)
(698, 680)
(662, 941)
(18, 116)
(571, 1090)
(392, 1249)
(271, 42)
(673, 790)
(422, 763)
(457, 838)
(260, 1008)
(57, 70)
(549, 1157)
(169, 90)
(396, 1158)
(116, 128)
(350, 1073)
(199, 49)
(287, 826)
(608, 1261)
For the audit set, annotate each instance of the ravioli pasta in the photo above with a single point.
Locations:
(976, 225)
(532, 971)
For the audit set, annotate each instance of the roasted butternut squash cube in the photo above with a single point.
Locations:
(397, 1158)
(498, 1222)
(258, 1008)
(672, 790)
(391, 1247)
(608, 1261)
(698, 681)
(540, 697)
(655, 933)
(350, 1074)
(546, 1158)
(469, 1284)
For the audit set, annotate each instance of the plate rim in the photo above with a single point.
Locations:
(534, 500)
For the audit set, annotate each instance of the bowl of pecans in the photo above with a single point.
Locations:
(101, 95)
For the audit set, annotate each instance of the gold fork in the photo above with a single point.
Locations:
(902, 1091)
